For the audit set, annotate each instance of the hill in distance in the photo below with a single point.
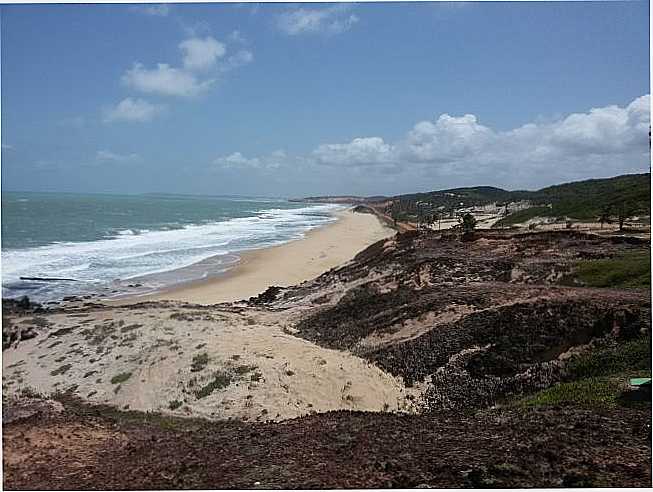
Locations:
(581, 200)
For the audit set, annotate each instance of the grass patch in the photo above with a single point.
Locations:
(99, 333)
(628, 271)
(174, 404)
(61, 370)
(590, 391)
(599, 378)
(127, 328)
(242, 370)
(220, 380)
(523, 216)
(121, 378)
(199, 362)
(634, 355)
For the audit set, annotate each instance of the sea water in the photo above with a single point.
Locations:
(107, 244)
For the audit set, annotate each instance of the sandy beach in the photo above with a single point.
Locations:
(164, 356)
(288, 264)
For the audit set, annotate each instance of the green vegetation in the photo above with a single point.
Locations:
(587, 199)
(629, 270)
(454, 197)
(468, 223)
(128, 328)
(598, 378)
(590, 391)
(61, 370)
(220, 380)
(199, 362)
(611, 199)
(523, 216)
(619, 197)
(121, 378)
(634, 355)
(29, 392)
(242, 370)
(174, 404)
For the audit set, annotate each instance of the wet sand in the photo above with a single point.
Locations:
(288, 264)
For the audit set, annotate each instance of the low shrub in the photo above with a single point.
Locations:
(121, 378)
(220, 380)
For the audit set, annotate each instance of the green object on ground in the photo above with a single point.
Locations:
(627, 270)
(640, 381)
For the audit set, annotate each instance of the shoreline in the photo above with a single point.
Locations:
(283, 265)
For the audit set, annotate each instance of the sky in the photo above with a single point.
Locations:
(293, 100)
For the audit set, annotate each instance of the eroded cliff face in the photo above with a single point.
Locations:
(471, 322)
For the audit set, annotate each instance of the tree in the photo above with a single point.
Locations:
(468, 223)
(394, 213)
(625, 211)
(421, 219)
(604, 218)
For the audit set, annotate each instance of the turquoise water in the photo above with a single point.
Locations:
(101, 242)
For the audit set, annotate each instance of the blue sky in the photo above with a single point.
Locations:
(297, 99)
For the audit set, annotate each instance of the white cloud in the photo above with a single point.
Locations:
(331, 20)
(603, 130)
(237, 60)
(201, 54)
(358, 152)
(136, 110)
(108, 156)
(164, 80)
(158, 10)
(276, 159)
(603, 141)
(448, 138)
(235, 161)
(237, 37)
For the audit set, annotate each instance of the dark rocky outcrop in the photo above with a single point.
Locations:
(481, 319)
(12, 332)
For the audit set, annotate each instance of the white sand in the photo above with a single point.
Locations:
(287, 264)
(273, 375)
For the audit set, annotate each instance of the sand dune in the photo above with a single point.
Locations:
(197, 362)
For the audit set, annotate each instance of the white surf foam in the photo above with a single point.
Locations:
(131, 254)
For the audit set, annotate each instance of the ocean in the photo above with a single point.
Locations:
(109, 245)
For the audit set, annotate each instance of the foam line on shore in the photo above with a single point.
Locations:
(287, 264)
